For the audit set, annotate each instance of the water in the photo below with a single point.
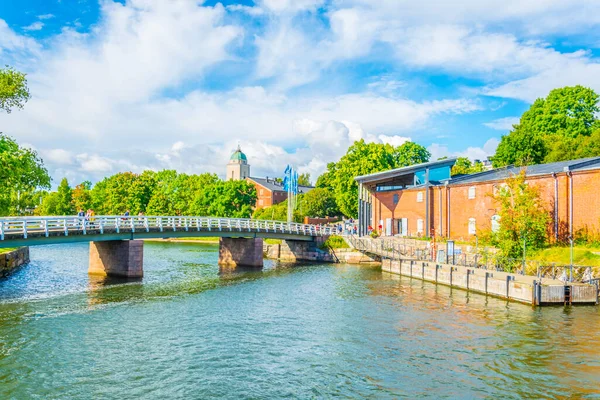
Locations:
(188, 330)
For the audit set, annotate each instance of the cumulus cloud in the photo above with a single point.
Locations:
(36, 26)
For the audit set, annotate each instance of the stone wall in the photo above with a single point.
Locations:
(246, 252)
(13, 260)
(121, 258)
(292, 251)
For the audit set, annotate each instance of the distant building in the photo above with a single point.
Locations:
(268, 190)
(238, 167)
(423, 199)
(271, 192)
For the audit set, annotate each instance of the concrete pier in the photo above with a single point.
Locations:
(521, 288)
(119, 258)
(243, 252)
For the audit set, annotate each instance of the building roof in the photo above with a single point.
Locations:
(273, 186)
(411, 169)
(238, 155)
(530, 170)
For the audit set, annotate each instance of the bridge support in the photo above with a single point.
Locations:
(121, 258)
(234, 252)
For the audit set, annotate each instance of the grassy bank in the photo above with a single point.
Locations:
(7, 250)
(588, 256)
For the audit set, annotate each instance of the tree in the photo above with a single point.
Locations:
(566, 114)
(82, 199)
(13, 89)
(318, 202)
(49, 205)
(304, 179)
(231, 199)
(64, 200)
(464, 166)
(524, 218)
(365, 158)
(21, 171)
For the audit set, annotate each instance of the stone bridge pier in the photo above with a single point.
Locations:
(240, 252)
(118, 258)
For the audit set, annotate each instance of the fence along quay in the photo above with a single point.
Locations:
(535, 290)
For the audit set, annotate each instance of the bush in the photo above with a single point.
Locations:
(335, 242)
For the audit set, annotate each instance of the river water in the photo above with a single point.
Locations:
(191, 331)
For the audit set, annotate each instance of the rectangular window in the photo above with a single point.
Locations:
(419, 226)
(419, 197)
(260, 202)
(472, 226)
(472, 192)
(262, 191)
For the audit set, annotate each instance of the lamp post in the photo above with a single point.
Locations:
(524, 253)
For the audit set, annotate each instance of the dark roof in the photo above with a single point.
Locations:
(278, 187)
(392, 173)
(530, 170)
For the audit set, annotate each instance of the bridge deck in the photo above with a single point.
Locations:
(51, 230)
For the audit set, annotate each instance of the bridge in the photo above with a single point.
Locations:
(116, 246)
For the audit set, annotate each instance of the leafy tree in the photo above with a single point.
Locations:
(566, 114)
(64, 201)
(523, 218)
(364, 158)
(175, 193)
(232, 199)
(49, 205)
(464, 166)
(13, 89)
(82, 199)
(318, 202)
(304, 179)
(123, 191)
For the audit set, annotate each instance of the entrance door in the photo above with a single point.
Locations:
(388, 227)
(402, 226)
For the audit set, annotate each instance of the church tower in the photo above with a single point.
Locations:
(238, 167)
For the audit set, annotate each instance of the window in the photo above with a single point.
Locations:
(419, 197)
(472, 192)
(495, 223)
(419, 226)
(260, 202)
(472, 226)
(396, 198)
(262, 191)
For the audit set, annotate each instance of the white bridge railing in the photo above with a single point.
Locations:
(22, 228)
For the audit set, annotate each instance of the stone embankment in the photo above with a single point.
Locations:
(521, 288)
(290, 251)
(12, 260)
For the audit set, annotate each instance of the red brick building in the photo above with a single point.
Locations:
(270, 192)
(423, 199)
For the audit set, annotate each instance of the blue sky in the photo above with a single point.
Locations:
(153, 84)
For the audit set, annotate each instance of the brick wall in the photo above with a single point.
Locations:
(586, 206)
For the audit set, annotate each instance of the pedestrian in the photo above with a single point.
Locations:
(80, 218)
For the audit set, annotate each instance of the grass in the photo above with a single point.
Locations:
(587, 256)
(335, 242)
(273, 241)
(7, 250)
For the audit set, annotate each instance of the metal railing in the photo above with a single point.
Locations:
(389, 248)
(24, 227)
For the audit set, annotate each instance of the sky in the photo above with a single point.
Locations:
(155, 84)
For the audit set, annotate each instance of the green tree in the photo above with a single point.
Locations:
(566, 114)
(21, 171)
(49, 205)
(13, 89)
(464, 166)
(64, 201)
(523, 218)
(231, 199)
(318, 202)
(82, 199)
(123, 191)
(365, 158)
(304, 179)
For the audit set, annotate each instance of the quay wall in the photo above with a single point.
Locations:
(12, 260)
(291, 251)
(523, 289)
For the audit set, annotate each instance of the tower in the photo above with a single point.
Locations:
(238, 167)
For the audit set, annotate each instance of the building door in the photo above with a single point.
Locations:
(403, 226)
(388, 227)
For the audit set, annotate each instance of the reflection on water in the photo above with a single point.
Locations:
(190, 329)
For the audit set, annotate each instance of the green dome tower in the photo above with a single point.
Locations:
(238, 167)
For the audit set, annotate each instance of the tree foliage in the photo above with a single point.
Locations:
(364, 158)
(64, 199)
(13, 89)
(304, 179)
(523, 218)
(464, 166)
(555, 128)
(22, 172)
(318, 202)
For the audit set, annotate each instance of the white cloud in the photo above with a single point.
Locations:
(503, 124)
(473, 153)
(45, 16)
(36, 26)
